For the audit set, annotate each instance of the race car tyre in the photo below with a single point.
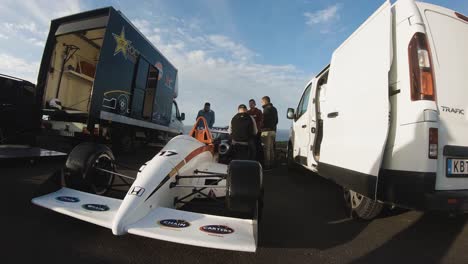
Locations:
(81, 172)
(244, 192)
(361, 206)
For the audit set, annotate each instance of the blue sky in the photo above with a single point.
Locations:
(226, 51)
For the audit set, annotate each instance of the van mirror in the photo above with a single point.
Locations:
(182, 117)
(290, 114)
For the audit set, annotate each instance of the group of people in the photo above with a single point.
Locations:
(250, 128)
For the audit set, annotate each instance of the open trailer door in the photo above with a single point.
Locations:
(356, 112)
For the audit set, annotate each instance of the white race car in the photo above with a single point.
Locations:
(185, 168)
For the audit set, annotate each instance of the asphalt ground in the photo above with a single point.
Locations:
(304, 222)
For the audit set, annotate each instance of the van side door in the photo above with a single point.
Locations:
(301, 127)
(356, 111)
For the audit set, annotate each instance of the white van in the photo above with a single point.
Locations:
(387, 118)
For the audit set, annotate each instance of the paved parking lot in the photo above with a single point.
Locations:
(304, 222)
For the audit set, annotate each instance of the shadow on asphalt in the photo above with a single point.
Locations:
(303, 210)
(427, 240)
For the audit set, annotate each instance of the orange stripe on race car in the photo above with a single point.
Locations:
(189, 157)
(199, 151)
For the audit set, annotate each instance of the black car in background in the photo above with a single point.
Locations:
(19, 112)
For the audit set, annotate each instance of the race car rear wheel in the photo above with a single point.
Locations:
(361, 206)
(244, 191)
(81, 169)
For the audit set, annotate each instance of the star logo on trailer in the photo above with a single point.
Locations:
(122, 43)
(125, 47)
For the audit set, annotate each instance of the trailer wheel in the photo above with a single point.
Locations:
(244, 192)
(81, 172)
(361, 206)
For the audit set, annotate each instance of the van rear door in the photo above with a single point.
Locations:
(356, 112)
(448, 35)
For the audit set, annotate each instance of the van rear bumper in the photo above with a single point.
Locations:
(416, 190)
(453, 201)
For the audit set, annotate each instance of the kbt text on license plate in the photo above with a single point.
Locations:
(457, 166)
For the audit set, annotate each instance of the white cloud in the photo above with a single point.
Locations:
(215, 68)
(25, 25)
(326, 15)
(43, 11)
(31, 25)
(225, 43)
(19, 67)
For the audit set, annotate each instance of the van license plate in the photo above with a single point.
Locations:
(457, 168)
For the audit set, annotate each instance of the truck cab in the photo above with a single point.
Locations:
(18, 111)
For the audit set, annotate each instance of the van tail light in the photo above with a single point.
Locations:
(421, 69)
(433, 142)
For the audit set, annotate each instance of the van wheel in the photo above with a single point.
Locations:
(81, 168)
(244, 192)
(361, 206)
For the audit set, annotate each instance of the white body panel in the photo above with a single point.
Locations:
(358, 93)
(449, 41)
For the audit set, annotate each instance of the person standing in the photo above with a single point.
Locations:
(258, 116)
(268, 135)
(243, 131)
(255, 113)
(208, 114)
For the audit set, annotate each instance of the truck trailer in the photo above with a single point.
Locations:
(386, 119)
(101, 78)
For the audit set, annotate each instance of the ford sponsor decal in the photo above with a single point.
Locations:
(174, 223)
(68, 199)
(217, 229)
(96, 207)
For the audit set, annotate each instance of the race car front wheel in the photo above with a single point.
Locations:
(244, 192)
(89, 168)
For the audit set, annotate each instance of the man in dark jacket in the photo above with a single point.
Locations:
(243, 131)
(208, 114)
(270, 120)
